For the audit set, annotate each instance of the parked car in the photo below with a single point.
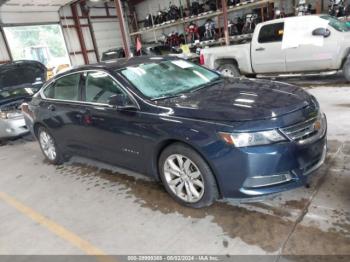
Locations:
(203, 135)
(264, 54)
(19, 80)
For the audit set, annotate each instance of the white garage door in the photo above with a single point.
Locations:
(107, 34)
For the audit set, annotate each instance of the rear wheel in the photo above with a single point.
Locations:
(187, 177)
(229, 70)
(49, 147)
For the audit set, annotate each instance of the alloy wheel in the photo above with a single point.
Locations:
(184, 178)
(48, 145)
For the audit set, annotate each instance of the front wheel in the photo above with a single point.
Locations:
(49, 147)
(346, 70)
(187, 177)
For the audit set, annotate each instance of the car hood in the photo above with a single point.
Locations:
(21, 73)
(239, 100)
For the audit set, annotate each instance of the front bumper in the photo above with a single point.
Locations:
(235, 166)
(12, 128)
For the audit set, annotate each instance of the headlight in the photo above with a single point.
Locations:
(252, 139)
(10, 115)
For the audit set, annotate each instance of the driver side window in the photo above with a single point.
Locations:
(100, 87)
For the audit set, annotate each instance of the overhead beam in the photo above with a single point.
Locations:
(120, 15)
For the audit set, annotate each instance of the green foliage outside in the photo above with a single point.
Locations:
(23, 37)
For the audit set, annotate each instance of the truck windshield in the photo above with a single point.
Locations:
(336, 24)
(162, 79)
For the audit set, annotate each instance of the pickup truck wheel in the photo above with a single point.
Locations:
(229, 70)
(346, 70)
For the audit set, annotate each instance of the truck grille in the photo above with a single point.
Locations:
(307, 131)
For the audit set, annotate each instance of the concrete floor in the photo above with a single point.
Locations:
(85, 207)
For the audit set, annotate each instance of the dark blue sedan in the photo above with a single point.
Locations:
(202, 135)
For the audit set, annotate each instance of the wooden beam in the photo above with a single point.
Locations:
(119, 9)
(93, 38)
(107, 9)
(92, 17)
(224, 14)
(79, 32)
(74, 26)
(6, 43)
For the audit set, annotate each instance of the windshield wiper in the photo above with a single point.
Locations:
(207, 85)
(166, 97)
(183, 93)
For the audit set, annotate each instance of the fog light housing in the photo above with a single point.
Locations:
(264, 181)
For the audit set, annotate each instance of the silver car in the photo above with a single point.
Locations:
(19, 81)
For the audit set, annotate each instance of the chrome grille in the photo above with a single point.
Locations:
(306, 131)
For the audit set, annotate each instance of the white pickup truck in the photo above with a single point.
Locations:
(266, 54)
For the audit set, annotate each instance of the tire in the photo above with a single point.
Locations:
(346, 70)
(229, 70)
(49, 147)
(194, 186)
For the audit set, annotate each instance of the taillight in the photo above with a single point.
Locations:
(201, 59)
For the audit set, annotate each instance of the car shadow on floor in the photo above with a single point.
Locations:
(269, 226)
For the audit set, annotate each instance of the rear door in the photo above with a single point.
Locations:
(62, 114)
(267, 54)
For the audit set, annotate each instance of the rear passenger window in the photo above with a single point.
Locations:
(100, 87)
(65, 88)
(271, 33)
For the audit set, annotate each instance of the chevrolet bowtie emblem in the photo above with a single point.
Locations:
(317, 125)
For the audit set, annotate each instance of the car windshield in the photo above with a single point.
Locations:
(10, 93)
(337, 24)
(162, 79)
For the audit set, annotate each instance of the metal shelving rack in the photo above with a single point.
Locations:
(250, 4)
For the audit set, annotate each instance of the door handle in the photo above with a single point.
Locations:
(51, 108)
(260, 49)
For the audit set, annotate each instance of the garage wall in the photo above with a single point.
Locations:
(107, 33)
(72, 39)
(106, 30)
(104, 27)
(32, 17)
(16, 14)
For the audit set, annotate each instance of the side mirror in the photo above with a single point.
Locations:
(321, 32)
(121, 101)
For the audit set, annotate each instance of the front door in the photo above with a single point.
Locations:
(307, 57)
(267, 54)
(114, 135)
